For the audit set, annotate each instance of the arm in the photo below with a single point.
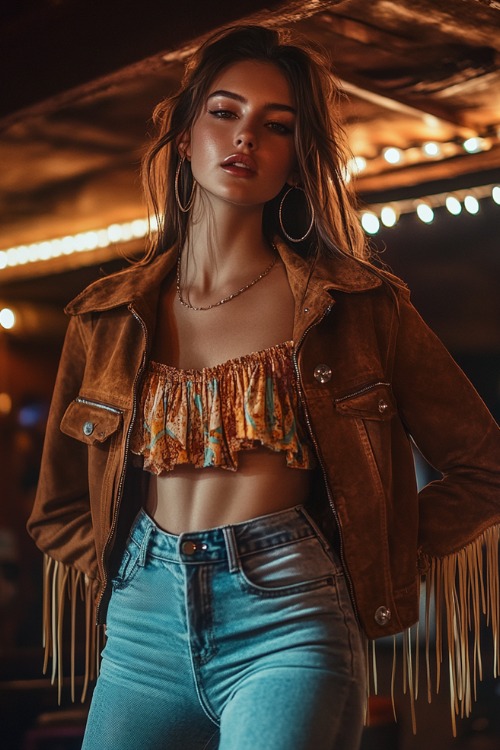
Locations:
(60, 521)
(454, 431)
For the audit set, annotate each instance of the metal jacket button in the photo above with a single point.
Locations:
(382, 406)
(88, 428)
(323, 373)
(382, 616)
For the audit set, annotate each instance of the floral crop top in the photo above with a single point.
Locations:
(204, 417)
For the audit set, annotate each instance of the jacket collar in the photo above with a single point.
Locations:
(342, 272)
(124, 288)
(136, 284)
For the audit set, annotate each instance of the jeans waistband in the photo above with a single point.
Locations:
(219, 543)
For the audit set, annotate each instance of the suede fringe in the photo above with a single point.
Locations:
(63, 586)
(461, 593)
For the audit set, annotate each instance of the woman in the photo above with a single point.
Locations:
(227, 471)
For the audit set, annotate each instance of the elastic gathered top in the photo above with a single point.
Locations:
(205, 417)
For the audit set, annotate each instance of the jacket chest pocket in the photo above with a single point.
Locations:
(370, 411)
(91, 422)
(372, 402)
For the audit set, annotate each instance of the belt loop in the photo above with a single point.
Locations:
(144, 544)
(231, 548)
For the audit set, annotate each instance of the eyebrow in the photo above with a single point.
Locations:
(239, 98)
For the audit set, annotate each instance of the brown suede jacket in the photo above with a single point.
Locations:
(372, 376)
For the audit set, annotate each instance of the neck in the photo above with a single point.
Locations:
(225, 246)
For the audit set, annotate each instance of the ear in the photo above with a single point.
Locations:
(184, 145)
(293, 178)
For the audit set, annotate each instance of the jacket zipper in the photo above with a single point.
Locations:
(361, 390)
(315, 443)
(106, 407)
(124, 467)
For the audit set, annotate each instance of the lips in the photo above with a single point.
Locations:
(240, 161)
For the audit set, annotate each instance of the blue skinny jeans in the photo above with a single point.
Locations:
(241, 637)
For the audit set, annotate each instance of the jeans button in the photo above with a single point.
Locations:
(188, 547)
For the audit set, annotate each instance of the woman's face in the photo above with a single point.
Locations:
(241, 146)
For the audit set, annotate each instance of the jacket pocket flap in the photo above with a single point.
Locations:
(373, 402)
(91, 423)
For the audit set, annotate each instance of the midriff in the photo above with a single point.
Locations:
(190, 499)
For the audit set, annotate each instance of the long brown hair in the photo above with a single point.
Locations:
(320, 142)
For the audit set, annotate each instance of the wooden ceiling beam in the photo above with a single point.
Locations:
(63, 46)
(357, 87)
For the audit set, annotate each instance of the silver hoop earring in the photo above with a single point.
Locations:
(189, 204)
(311, 211)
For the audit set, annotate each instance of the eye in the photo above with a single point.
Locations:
(221, 114)
(280, 128)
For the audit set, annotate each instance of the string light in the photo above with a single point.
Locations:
(453, 205)
(356, 165)
(388, 216)
(431, 149)
(392, 155)
(7, 318)
(425, 213)
(77, 243)
(425, 206)
(371, 220)
(415, 153)
(474, 145)
(471, 204)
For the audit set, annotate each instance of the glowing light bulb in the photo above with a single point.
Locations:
(495, 194)
(356, 165)
(24, 254)
(425, 213)
(431, 149)
(68, 244)
(473, 145)
(7, 318)
(44, 252)
(453, 205)
(370, 222)
(139, 227)
(115, 232)
(392, 155)
(388, 216)
(471, 204)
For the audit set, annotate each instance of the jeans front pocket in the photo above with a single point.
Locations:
(128, 567)
(292, 567)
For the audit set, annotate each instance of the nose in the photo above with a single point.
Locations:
(246, 138)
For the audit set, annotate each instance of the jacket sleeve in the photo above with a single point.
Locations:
(60, 521)
(459, 514)
(454, 431)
